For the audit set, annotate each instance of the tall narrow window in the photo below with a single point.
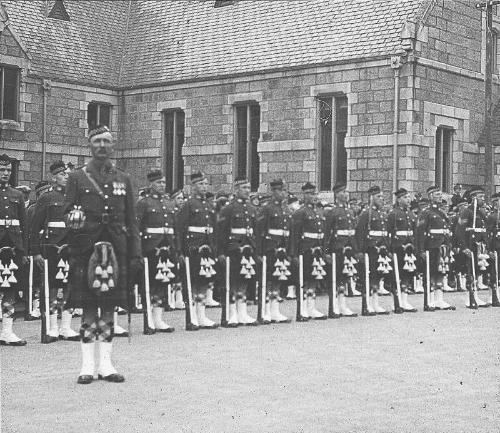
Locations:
(9, 85)
(98, 114)
(174, 140)
(332, 152)
(247, 160)
(444, 141)
(494, 51)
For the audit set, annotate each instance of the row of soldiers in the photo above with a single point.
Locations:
(92, 241)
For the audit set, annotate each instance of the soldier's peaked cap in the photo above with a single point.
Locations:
(374, 190)
(432, 189)
(308, 186)
(338, 187)
(154, 174)
(401, 192)
(197, 177)
(57, 167)
(4, 159)
(277, 183)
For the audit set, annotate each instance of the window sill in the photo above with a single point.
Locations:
(10, 124)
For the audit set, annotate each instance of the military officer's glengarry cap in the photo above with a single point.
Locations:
(100, 130)
(176, 192)
(432, 189)
(476, 190)
(338, 187)
(57, 167)
(154, 174)
(401, 192)
(374, 190)
(4, 160)
(240, 180)
(221, 194)
(276, 184)
(292, 199)
(197, 177)
(423, 202)
(308, 187)
(41, 186)
(461, 201)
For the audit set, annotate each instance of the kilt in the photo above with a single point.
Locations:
(243, 269)
(203, 269)
(9, 289)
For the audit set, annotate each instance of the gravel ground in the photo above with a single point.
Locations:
(421, 372)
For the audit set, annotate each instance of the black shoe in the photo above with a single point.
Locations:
(349, 315)
(13, 343)
(264, 322)
(429, 309)
(368, 313)
(123, 335)
(149, 331)
(74, 338)
(450, 308)
(303, 319)
(399, 310)
(191, 327)
(115, 377)
(85, 379)
(334, 316)
(485, 305)
(47, 339)
(410, 310)
(319, 318)
(168, 330)
(382, 313)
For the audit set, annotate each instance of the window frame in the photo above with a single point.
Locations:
(100, 104)
(2, 91)
(177, 157)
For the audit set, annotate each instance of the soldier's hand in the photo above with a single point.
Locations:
(222, 259)
(467, 252)
(422, 255)
(24, 260)
(38, 260)
(328, 258)
(182, 260)
(359, 257)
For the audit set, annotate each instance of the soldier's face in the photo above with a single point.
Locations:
(436, 197)
(378, 200)
(201, 187)
(101, 146)
(5, 171)
(310, 197)
(243, 191)
(480, 199)
(279, 194)
(405, 200)
(158, 186)
(61, 178)
(179, 200)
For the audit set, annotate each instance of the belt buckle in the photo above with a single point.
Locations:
(105, 218)
(8, 223)
(249, 232)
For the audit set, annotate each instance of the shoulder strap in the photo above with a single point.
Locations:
(92, 181)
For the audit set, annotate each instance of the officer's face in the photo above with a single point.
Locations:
(61, 178)
(378, 200)
(5, 171)
(201, 187)
(310, 197)
(101, 146)
(243, 191)
(405, 200)
(158, 186)
(436, 197)
(480, 199)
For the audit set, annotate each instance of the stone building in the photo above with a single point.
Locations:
(306, 90)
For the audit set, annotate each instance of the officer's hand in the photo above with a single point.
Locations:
(467, 252)
(137, 264)
(38, 260)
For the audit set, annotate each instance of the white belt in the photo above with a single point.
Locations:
(241, 231)
(439, 231)
(197, 229)
(345, 232)
(476, 230)
(279, 232)
(7, 223)
(404, 232)
(313, 235)
(377, 233)
(160, 230)
(56, 225)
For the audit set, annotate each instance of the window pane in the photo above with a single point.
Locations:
(341, 163)
(169, 149)
(10, 94)
(325, 151)
(92, 115)
(254, 136)
(241, 143)
(447, 140)
(438, 158)
(104, 115)
(180, 142)
(341, 114)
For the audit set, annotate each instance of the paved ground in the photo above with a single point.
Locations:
(423, 372)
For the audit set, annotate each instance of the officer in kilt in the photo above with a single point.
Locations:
(105, 247)
(156, 221)
(493, 231)
(196, 241)
(307, 237)
(433, 244)
(373, 244)
(52, 245)
(471, 233)
(236, 240)
(401, 225)
(13, 249)
(273, 238)
(341, 245)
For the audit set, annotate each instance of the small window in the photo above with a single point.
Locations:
(332, 151)
(58, 11)
(247, 162)
(98, 114)
(174, 122)
(9, 92)
(221, 3)
(444, 142)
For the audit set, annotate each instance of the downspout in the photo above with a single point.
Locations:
(46, 86)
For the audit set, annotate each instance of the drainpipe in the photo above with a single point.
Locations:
(396, 64)
(46, 86)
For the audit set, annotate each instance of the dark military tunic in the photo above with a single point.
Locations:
(156, 222)
(401, 229)
(372, 238)
(340, 240)
(307, 237)
(273, 238)
(13, 235)
(432, 234)
(106, 197)
(236, 239)
(195, 232)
